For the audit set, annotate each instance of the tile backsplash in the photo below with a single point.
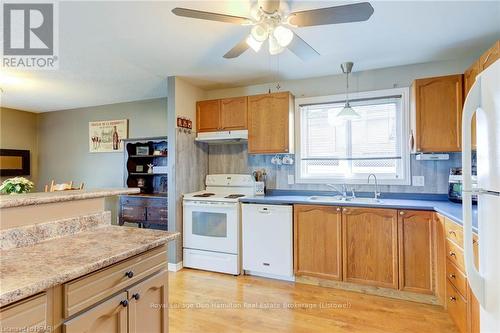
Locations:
(235, 159)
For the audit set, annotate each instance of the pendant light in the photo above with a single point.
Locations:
(347, 111)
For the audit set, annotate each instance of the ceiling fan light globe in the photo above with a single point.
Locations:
(253, 43)
(283, 35)
(274, 47)
(259, 32)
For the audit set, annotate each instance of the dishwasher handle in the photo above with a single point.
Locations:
(264, 210)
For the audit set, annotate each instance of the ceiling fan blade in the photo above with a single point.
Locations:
(301, 49)
(332, 15)
(237, 50)
(269, 6)
(198, 14)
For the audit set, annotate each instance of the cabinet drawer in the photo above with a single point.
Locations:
(455, 254)
(81, 293)
(456, 277)
(29, 315)
(157, 213)
(133, 213)
(457, 307)
(454, 232)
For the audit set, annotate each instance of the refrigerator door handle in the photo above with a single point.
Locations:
(472, 103)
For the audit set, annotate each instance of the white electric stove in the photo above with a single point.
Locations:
(212, 223)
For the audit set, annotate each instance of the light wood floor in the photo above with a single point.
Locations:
(210, 302)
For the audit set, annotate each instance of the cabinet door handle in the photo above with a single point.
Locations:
(452, 254)
(136, 296)
(453, 298)
(451, 232)
(338, 209)
(129, 274)
(401, 213)
(344, 210)
(452, 276)
(124, 303)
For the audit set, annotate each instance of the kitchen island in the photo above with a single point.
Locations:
(64, 267)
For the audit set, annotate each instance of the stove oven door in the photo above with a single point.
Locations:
(211, 226)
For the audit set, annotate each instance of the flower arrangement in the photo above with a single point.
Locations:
(16, 185)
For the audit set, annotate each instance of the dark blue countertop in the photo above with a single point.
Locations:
(438, 203)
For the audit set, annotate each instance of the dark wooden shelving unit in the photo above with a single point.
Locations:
(147, 209)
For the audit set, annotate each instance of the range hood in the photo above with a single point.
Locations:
(223, 137)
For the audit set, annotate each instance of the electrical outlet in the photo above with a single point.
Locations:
(291, 179)
(418, 181)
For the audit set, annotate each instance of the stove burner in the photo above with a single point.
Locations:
(204, 195)
(234, 196)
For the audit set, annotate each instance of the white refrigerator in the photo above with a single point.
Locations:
(484, 100)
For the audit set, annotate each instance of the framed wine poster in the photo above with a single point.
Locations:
(107, 135)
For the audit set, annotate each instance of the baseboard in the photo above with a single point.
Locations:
(174, 267)
(371, 290)
(270, 276)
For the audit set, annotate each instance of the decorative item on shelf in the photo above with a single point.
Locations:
(16, 185)
(288, 160)
(160, 169)
(163, 184)
(150, 168)
(276, 160)
(160, 152)
(142, 150)
(141, 183)
(106, 136)
(139, 168)
(184, 124)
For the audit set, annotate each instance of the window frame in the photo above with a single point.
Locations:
(340, 98)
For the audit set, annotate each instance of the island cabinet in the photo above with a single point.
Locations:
(270, 123)
(226, 114)
(437, 114)
(370, 246)
(317, 241)
(415, 251)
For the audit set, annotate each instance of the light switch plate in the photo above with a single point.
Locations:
(418, 181)
(291, 179)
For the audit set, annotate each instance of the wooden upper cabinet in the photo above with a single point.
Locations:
(208, 116)
(317, 241)
(437, 107)
(148, 305)
(469, 79)
(370, 246)
(107, 317)
(489, 56)
(270, 123)
(233, 113)
(415, 251)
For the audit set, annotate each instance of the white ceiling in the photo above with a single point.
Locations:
(123, 51)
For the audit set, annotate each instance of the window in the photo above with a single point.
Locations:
(347, 151)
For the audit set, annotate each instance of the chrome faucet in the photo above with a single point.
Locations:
(376, 194)
(342, 192)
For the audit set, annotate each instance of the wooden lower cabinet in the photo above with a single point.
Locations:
(457, 308)
(107, 317)
(148, 305)
(317, 241)
(415, 251)
(30, 315)
(370, 246)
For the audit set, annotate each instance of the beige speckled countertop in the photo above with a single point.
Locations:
(17, 200)
(25, 271)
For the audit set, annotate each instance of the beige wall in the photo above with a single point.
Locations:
(64, 149)
(18, 130)
(401, 76)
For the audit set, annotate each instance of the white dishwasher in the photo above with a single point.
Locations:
(267, 240)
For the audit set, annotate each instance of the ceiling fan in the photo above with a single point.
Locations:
(269, 22)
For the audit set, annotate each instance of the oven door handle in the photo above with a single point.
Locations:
(210, 205)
